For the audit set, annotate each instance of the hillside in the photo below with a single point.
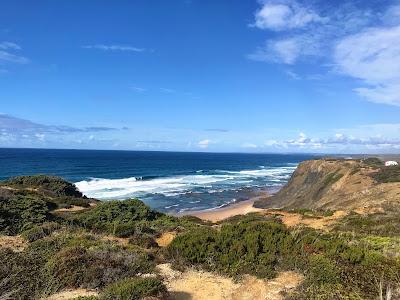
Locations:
(55, 244)
(333, 184)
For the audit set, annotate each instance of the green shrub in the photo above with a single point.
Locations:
(67, 202)
(96, 267)
(52, 185)
(373, 162)
(243, 247)
(134, 288)
(117, 217)
(86, 298)
(143, 240)
(387, 174)
(379, 224)
(37, 232)
(322, 270)
(21, 212)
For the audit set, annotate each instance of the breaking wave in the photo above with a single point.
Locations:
(218, 180)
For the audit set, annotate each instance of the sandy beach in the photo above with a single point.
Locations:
(215, 215)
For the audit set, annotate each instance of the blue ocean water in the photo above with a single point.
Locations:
(166, 181)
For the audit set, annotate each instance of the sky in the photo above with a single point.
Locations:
(201, 75)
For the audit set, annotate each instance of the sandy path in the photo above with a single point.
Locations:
(198, 285)
(70, 294)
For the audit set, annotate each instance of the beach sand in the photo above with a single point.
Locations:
(215, 215)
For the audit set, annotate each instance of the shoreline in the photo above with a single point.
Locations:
(219, 214)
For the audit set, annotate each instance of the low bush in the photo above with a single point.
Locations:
(143, 240)
(37, 232)
(380, 224)
(387, 174)
(22, 212)
(245, 247)
(116, 217)
(52, 185)
(373, 162)
(135, 288)
(78, 266)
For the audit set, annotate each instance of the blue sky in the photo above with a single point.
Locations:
(201, 75)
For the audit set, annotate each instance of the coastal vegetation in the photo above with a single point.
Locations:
(111, 247)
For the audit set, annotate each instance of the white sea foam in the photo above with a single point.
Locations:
(177, 185)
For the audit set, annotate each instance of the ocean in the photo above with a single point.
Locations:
(166, 181)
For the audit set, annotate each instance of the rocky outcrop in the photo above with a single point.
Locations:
(334, 184)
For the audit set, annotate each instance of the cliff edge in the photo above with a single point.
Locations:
(338, 184)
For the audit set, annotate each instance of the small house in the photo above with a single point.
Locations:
(391, 163)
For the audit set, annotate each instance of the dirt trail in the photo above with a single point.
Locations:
(198, 285)
(71, 294)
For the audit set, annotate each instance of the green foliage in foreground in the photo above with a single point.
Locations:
(134, 289)
(245, 247)
(69, 259)
(335, 267)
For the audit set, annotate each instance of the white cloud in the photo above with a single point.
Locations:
(114, 48)
(362, 43)
(287, 50)
(167, 91)
(204, 144)
(6, 54)
(9, 45)
(249, 145)
(374, 57)
(336, 142)
(40, 136)
(138, 89)
(293, 75)
(283, 15)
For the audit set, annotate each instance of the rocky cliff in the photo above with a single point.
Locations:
(338, 184)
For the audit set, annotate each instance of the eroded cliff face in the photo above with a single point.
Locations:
(334, 184)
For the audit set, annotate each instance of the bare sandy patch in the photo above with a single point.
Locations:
(198, 285)
(254, 288)
(73, 208)
(294, 219)
(215, 215)
(166, 238)
(16, 243)
(70, 294)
